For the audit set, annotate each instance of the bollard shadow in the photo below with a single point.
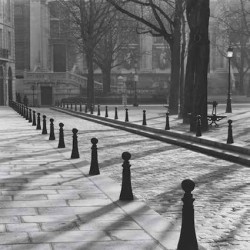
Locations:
(112, 225)
(115, 160)
(203, 182)
(40, 174)
(150, 118)
(244, 132)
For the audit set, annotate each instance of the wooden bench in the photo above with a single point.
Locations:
(214, 118)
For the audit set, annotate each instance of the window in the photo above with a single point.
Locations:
(18, 10)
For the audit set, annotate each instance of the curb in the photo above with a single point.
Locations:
(229, 152)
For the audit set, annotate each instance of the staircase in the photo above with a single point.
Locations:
(67, 76)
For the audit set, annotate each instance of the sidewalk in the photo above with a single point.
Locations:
(222, 188)
(48, 201)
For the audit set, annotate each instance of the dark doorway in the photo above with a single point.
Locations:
(59, 58)
(1, 87)
(46, 95)
(10, 94)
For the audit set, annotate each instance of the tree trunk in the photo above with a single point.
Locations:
(189, 80)
(197, 64)
(183, 50)
(106, 80)
(90, 79)
(175, 48)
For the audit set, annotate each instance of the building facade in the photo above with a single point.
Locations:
(48, 69)
(7, 52)
(43, 58)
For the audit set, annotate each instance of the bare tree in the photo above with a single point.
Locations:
(109, 52)
(90, 22)
(159, 18)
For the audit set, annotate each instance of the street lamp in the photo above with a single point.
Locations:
(135, 85)
(229, 56)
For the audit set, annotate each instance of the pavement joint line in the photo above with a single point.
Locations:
(229, 152)
(146, 228)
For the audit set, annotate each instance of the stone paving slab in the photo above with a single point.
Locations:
(47, 201)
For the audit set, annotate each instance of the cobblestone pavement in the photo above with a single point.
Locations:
(156, 118)
(222, 190)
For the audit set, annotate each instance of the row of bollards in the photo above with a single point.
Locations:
(167, 126)
(144, 122)
(187, 238)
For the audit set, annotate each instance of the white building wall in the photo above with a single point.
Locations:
(39, 34)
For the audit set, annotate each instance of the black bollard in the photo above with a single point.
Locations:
(106, 111)
(24, 111)
(44, 131)
(34, 118)
(167, 127)
(91, 109)
(38, 125)
(61, 143)
(116, 113)
(144, 118)
(27, 113)
(98, 110)
(187, 236)
(230, 139)
(74, 153)
(63, 105)
(22, 108)
(126, 115)
(24, 114)
(80, 107)
(75, 107)
(198, 126)
(67, 106)
(86, 108)
(52, 134)
(18, 108)
(126, 191)
(94, 167)
(71, 105)
(30, 115)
